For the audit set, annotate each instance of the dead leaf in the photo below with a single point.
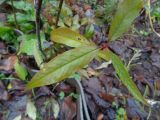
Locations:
(134, 110)
(16, 106)
(64, 87)
(3, 49)
(69, 2)
(100, 102)
(92, 72)
(157, 84)
(100, 116)
(104, 65)
(86, 7)
(83, 73)
(92, 106)
(16, 85)
(3, 93)
(68, 109)
(107, 97)
(8, 64)
(93, 84)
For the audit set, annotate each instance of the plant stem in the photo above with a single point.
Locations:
(59, 12)
(38, 4)
(150, 19)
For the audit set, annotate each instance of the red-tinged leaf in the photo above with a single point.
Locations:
(122, 73)
(63, 66)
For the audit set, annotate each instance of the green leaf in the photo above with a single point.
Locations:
(4, 29)
(68, 37)
(26, 15)
(2, 1)
(123, 74)
(61, 95)
(89, 31)
(7, 34)
(28, 43)
(19, 117)
(31, 110)
(127, 11)
(55, 107)
(63, 66)
(20, 70)
(23, 5)
(39, 58)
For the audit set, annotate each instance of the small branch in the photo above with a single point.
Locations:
(81, 105)
(14, 13)
(59, 12)
(38, 4)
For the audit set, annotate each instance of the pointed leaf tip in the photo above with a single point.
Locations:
(123, 74)
(63, 66)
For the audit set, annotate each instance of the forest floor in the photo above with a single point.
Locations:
(105, 95)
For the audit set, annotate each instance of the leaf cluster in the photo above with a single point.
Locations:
(84, 51)
(65, 64)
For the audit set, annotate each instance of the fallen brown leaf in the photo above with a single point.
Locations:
(92, 72)
(3, 93)
(107, 97)
(68, 109)
(158, 84)
(100, 116)
(8, 64)
(64, 87)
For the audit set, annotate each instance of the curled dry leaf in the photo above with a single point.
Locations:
(104, 65)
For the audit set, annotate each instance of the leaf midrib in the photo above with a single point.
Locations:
(120, 21)
(69, 63)
(77, 41)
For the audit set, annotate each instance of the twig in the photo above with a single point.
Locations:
(82, 105)
(150, 19)
(14, 13)
(59, 12)
(149, 114)
(38, 4)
